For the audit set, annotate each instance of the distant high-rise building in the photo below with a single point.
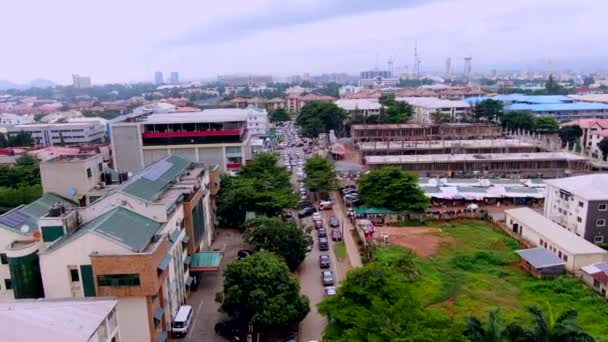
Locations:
(158, 77)
(467, 67)
(81, 82)
(174, 77)
(244, 80)
(448, 67)
(371, 74)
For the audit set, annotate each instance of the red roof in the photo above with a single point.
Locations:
(588, 123)
(602, 277)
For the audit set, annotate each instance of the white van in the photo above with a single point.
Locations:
(182, 321)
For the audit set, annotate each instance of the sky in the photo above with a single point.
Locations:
(128, 40)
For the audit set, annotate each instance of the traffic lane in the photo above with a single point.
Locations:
(338, 273)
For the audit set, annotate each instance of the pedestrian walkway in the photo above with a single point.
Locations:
(352, 248)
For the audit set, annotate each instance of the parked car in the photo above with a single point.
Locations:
(232, 330)
(243, 253)
(333, 222)
(351, 197)
(348, 191)
(349, 186)
(325, 205)
(336, 234)
(323, 244)
(322, 233)
(330, 291)
(316, 216)
(324, 261)
(304, 204)
(327, 278)
(318, 224)
(305, 212)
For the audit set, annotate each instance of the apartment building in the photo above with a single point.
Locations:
(213, 137)
(71, 132)
(81, 82)
(365, 107)
(135, 238)
(594, 131)
(579, 204)
(424, 107)
(8, 120)
(257, 120)
(66, 320)
(295, 102)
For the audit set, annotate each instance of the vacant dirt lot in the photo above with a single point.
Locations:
(424, 241)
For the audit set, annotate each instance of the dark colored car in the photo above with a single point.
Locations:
(305, 212)
(333, 222)
(304, 204)
(336, 234)
(243, 253)
(348, 191)
(323, 244)
(233, 331)
(324, 261)
(322, 233)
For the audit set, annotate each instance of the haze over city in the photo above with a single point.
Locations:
(118, 41)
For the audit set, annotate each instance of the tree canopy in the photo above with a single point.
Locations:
(279, 115)
(516, 120)
(22, 138)
(553, 88)
(320, 174)
(20, 183)
(570, 135)
(261, 186)
(284, 239)
(394, 111)
(260, 289)
(440, 117)
(603, 147)
(374, 304)
(488, 110)
(320, 117)
(546, 124)
(392, 188)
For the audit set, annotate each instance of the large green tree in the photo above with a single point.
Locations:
(320, 117)
(516, 120)
(488, 110)
(320, 174)
(570, 134)
(279, 115)
(392, 188)
(546, 124)
(261, 290)
(394, 111)
(553, 88)
(284, 239)
(603, 147)
(440, 117)
(261, 186)
(374, 304)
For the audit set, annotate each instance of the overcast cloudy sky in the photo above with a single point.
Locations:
(127, 40)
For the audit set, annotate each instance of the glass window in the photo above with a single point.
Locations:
(118, 280)
(100, 166)
(602, 207)
(89, 172)
(600, 222)
(580, 204)
(74, 276)
(8, 284)
(598, 239)
(579, 219)
(3, 259)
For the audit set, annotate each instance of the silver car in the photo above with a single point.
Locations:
(327, 277)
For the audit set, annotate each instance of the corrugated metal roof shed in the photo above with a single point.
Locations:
(540, 258)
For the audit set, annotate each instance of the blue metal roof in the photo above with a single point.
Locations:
(540, 257)
(558, 107)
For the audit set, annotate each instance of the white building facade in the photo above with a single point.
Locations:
(72, 132)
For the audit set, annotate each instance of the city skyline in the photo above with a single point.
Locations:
(267, 36)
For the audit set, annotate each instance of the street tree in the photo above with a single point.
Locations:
(570, 134)
(552, 87)
(279, 115)
(517, 120)
(394, 111)
(320, 117)
(261, 186)
(392, 188)
(546, 124)
(284, 239)
(374, 304)
(488, 110)
(261, 290)
(440, 117)
(603, 147)
(320, 174)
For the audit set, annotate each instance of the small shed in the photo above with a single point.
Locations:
(596, 276)
(541, 263)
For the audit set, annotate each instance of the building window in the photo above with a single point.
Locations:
(74, 276)
(579, 219)
(100, 166)
(602, 207)
(581, 204)
(541, 242)
(559, 254)
(8, 284)
(600, 222)
(89, 172)
(598, 239)
(3, 259)
(118, 280)
(565, 257)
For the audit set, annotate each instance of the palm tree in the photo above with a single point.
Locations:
(561, 328)
(492, 331)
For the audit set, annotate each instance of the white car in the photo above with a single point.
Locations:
(330, 291)
(316, 216)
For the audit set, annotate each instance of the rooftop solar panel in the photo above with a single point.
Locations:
(14, 219)
(157, 170)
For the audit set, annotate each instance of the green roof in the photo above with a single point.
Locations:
(145, 188)
(504, 181)
(374, 211)
(30, 214)
(522, 190)
(206, 259)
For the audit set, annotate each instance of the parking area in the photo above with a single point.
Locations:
(206, 313)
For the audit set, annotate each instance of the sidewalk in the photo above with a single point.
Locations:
(352, 248)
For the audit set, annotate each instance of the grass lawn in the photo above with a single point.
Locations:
(340, 250)
(477, 273)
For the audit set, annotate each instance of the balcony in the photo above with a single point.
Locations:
(193, 134)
